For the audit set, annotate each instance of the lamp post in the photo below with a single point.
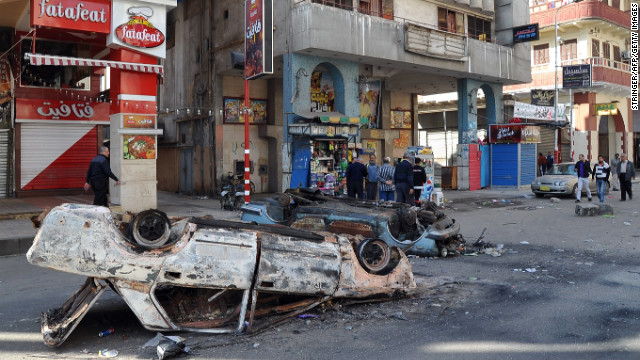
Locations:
(555, 102)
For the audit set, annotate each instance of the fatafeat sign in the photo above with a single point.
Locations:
(87, 15)
(140, 26)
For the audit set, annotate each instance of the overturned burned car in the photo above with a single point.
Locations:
(202, 275)
(424, 231)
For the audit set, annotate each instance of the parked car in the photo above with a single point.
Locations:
(424, 231)
(562, 179)
(201, 275)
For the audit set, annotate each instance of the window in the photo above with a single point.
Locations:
(450, 21)
(541, 54)
(606, 50)
(370, 7)
(479, 28)
(615, 4)
(76, 77)
(595, 48)
(343, 4)
(569, 49)
(616, 55)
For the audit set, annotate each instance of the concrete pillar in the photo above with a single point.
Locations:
(133, 133)
(467, 113)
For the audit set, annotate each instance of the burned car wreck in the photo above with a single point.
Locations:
(423, 231)
(202, 275)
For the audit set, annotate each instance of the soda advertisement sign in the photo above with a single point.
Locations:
(61, 110)
(86, 15)
(258, 42)
(140, 26)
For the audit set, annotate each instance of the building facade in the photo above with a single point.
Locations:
(345, 83)
(594, 34)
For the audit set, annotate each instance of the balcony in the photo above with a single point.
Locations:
(544, 13)
(396, 44)
(609, 73)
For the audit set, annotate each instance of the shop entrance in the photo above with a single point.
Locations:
(603, 138)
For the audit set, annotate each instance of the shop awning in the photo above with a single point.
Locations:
(333, 118)
(39, 59)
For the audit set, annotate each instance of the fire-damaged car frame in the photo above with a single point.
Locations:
(202, 275)
(421, 231)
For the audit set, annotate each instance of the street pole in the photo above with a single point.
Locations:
(247, 160)
(571, 125)
(555, 102)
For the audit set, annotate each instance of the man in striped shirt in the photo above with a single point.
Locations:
(601, 173)
(385, 179)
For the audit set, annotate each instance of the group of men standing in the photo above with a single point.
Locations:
(622, 171)
(386, 180)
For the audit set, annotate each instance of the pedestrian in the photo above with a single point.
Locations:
(583, 169)
(403, 179)
(549, 162)
(356, 172)
(601, 172)
(98, 176)
(614, 171)
(372, 178)
(385, 178)
(542, 164)
(626, 173)
(419, 178)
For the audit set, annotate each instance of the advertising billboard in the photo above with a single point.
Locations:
(258, 42)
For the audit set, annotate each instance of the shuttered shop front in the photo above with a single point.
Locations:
(4, 162)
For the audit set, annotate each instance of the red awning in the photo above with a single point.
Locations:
(38, 59)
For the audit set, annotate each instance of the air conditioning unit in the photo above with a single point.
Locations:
(625, 55)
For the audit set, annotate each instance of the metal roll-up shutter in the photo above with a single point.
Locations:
(504, 165)
(56, 156)
(4, 162)
(443, 148)
(547, 137)
(527, 163)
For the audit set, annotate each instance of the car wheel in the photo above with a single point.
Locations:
(574, 192)
(238, 202)
(151, 229)
(374, 255)
(538, 195)
(444, 252)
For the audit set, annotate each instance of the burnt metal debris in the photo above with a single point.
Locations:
(206, 275)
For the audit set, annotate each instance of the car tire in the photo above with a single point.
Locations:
(539, 195)
(444, 252)
(151, 229)
(374, 255)
(574, 192)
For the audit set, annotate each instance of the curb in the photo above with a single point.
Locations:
(16, 246)
(20, 216)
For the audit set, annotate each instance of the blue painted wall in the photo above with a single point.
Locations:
(468, 109)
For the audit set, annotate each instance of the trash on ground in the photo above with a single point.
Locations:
(305, 316)
(589, 240)
(399, 316)
(524, 242)
(106, 332)
(531, 270)
(168, 348)
(159, 336)
(608, 216)
(108, 353)
(627, 223)
(555, 200)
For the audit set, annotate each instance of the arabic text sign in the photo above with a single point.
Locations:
(514, 133)
(535, 112)
(139, 121)
(607, 109)
(258, 42)
(576, 76)
(86, 15)
(39, 109)
(526, 33)
(542, 97)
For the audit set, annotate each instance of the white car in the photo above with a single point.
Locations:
(562, 179)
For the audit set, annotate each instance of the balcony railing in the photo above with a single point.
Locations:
(543, 12)
(594, 61)
(432, 42)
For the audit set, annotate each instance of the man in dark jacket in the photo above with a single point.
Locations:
(356, 173)
(419, 178)
(403, 178)
(98, 177)
(583, 169)
(626, 173)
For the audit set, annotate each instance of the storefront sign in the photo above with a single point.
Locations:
(576, 76)
(258, 42)
(86, 15)
(138, 147)
(61, 110)
(140, 26)
(534, 112)
(401, 119)
(542, 97)
(607, 109)
(232, 107)
(369, 99)
(139, 122)
(514, 133)
(322, 91)
(526, 33)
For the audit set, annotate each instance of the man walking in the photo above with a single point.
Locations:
(419, 178)
(583, 169)
(542, 164)
(549, 162)
(98, 177)
(614, 171)
(385, 178)
(356, 173)
(601, 173)
(372, 178)
(626, 173)
(403, 179)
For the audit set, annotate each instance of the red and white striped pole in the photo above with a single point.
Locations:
(247, 161)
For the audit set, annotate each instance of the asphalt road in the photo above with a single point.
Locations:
(566, 287)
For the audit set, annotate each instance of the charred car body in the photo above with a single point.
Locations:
(424, 231)
(201, 275)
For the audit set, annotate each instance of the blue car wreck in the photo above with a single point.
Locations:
(423, 231)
